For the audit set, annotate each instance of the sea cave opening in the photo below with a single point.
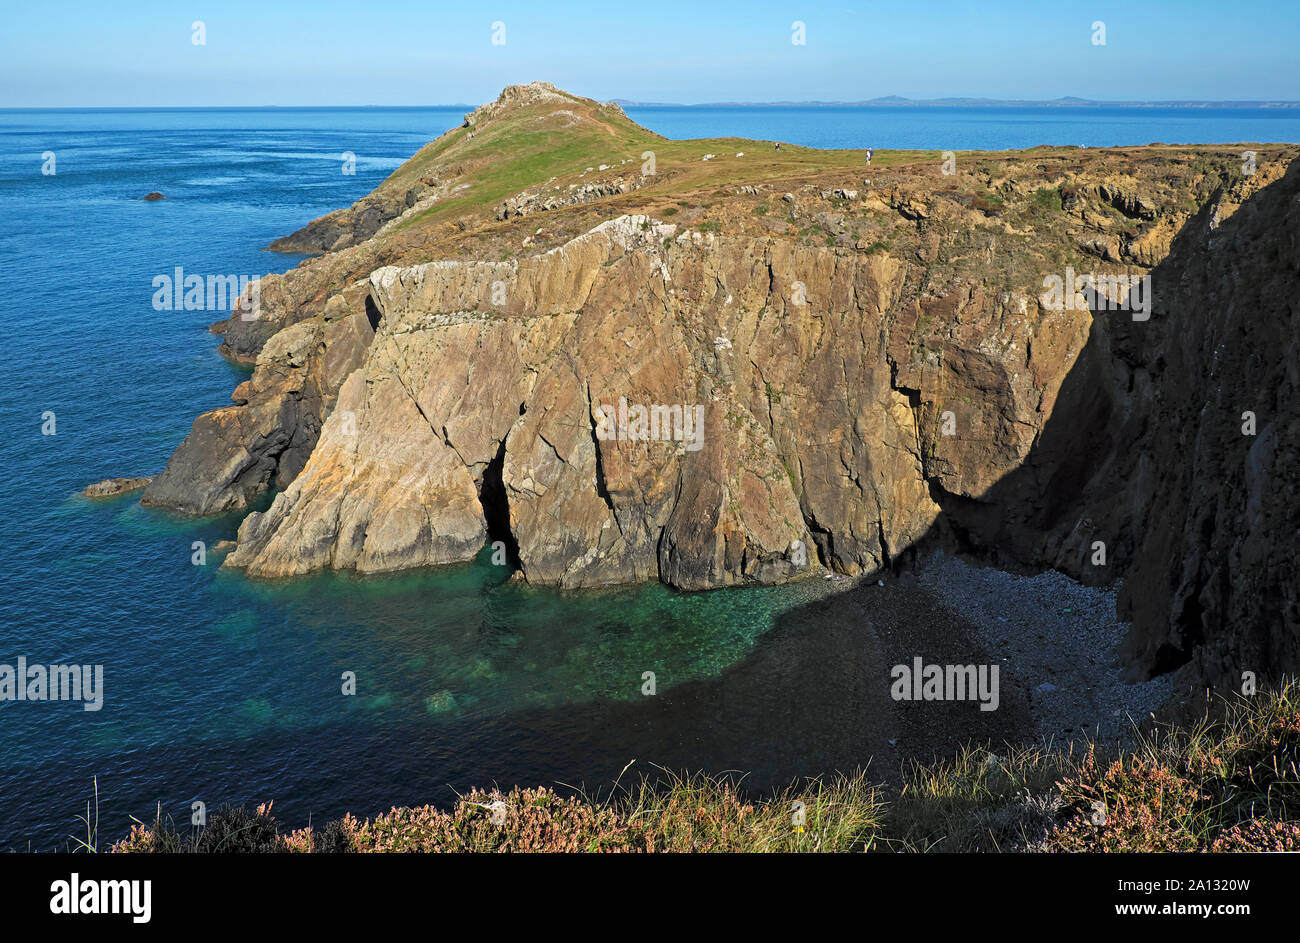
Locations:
(495, 502)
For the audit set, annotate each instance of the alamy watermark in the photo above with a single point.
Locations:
(1091, 291)
(79, 895)
(655, 423)
(922, 682)
(24, 682)
(180, 292)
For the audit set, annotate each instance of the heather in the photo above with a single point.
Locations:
(1227, 782)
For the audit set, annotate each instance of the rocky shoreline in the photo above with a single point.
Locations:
(1060, 643)
(879, 373)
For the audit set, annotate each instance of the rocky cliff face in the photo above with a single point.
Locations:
(633, 310)
(755, 369)
(1211, 475)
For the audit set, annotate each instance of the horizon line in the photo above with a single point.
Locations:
(885, 101)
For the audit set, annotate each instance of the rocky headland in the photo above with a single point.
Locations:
(870, 351)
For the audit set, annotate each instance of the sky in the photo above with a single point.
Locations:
(394, 52)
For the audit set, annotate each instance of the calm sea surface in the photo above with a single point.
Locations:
(221, 690)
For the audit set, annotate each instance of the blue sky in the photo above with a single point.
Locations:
(420, 53)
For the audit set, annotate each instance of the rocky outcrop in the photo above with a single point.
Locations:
(525, 204)
(443, 403)
(112, 487)
(820, 406)
(515, 98)
(353, 226)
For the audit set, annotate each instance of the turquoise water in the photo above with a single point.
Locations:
(222, 690)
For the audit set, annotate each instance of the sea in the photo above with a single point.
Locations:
(219, 690)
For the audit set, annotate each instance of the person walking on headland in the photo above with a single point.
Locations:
(778, 145)
(868, 155)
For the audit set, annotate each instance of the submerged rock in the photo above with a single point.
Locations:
(440, 702)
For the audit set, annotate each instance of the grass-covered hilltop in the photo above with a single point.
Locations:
(1228, 783)
(720, 362)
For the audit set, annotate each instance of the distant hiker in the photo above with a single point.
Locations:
(778, 145)
(868, 155)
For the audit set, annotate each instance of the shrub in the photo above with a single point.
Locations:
(1257, 835)
(235, 830)
(333, 839)
(1133, 804)
(1048, 198)
(531, 820)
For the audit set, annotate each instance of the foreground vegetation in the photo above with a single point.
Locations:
(1229, 782)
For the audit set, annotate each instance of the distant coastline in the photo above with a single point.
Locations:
(894, 101)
